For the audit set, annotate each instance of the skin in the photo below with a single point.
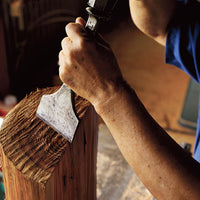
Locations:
(89, 68)
(152, 17)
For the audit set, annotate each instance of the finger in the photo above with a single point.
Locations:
(63, 66)
(66, 61)
(75, 31)
(61, 58)
(66, 44)
(81, 21)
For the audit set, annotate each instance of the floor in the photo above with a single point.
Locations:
(162, 89)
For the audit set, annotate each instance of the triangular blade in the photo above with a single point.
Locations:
(56, 110)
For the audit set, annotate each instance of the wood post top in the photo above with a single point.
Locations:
(31, 145)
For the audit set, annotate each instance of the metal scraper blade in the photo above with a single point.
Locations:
(56, 110)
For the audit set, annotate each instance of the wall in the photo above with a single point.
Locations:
(4, 80)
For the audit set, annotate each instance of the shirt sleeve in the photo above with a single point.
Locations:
(183, 38)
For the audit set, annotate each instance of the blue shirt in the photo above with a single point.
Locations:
(183, 47)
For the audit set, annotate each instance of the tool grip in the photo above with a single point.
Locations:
(92, 21)
(91, 24)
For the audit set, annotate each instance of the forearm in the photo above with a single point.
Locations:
(91, 70)
(152, 17)
(158, 161)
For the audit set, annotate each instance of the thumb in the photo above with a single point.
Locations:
(75, 30)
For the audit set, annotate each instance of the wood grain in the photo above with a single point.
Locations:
(39, 163)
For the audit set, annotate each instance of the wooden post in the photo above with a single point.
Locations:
(39, 164)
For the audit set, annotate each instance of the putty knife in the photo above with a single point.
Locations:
(56, 109)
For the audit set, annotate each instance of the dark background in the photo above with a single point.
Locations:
(32, 34)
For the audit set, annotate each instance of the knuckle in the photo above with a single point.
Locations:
(66, 57)
(72, 28)
(60, 55)
(66, 77)
(64, 64)
(60, 58)
(68, 26)
(61, 71)
(64, 72)
(64, 42)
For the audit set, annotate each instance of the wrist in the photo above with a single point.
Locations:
(110, 97)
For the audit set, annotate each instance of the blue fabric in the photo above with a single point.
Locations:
(183, 47)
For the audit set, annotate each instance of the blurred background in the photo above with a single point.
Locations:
(30, 36)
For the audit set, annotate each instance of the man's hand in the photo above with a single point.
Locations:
(89, 67)
(87, 64)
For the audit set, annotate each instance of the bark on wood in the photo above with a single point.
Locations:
(39, 164)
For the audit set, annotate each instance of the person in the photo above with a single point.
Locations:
(89, 67)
